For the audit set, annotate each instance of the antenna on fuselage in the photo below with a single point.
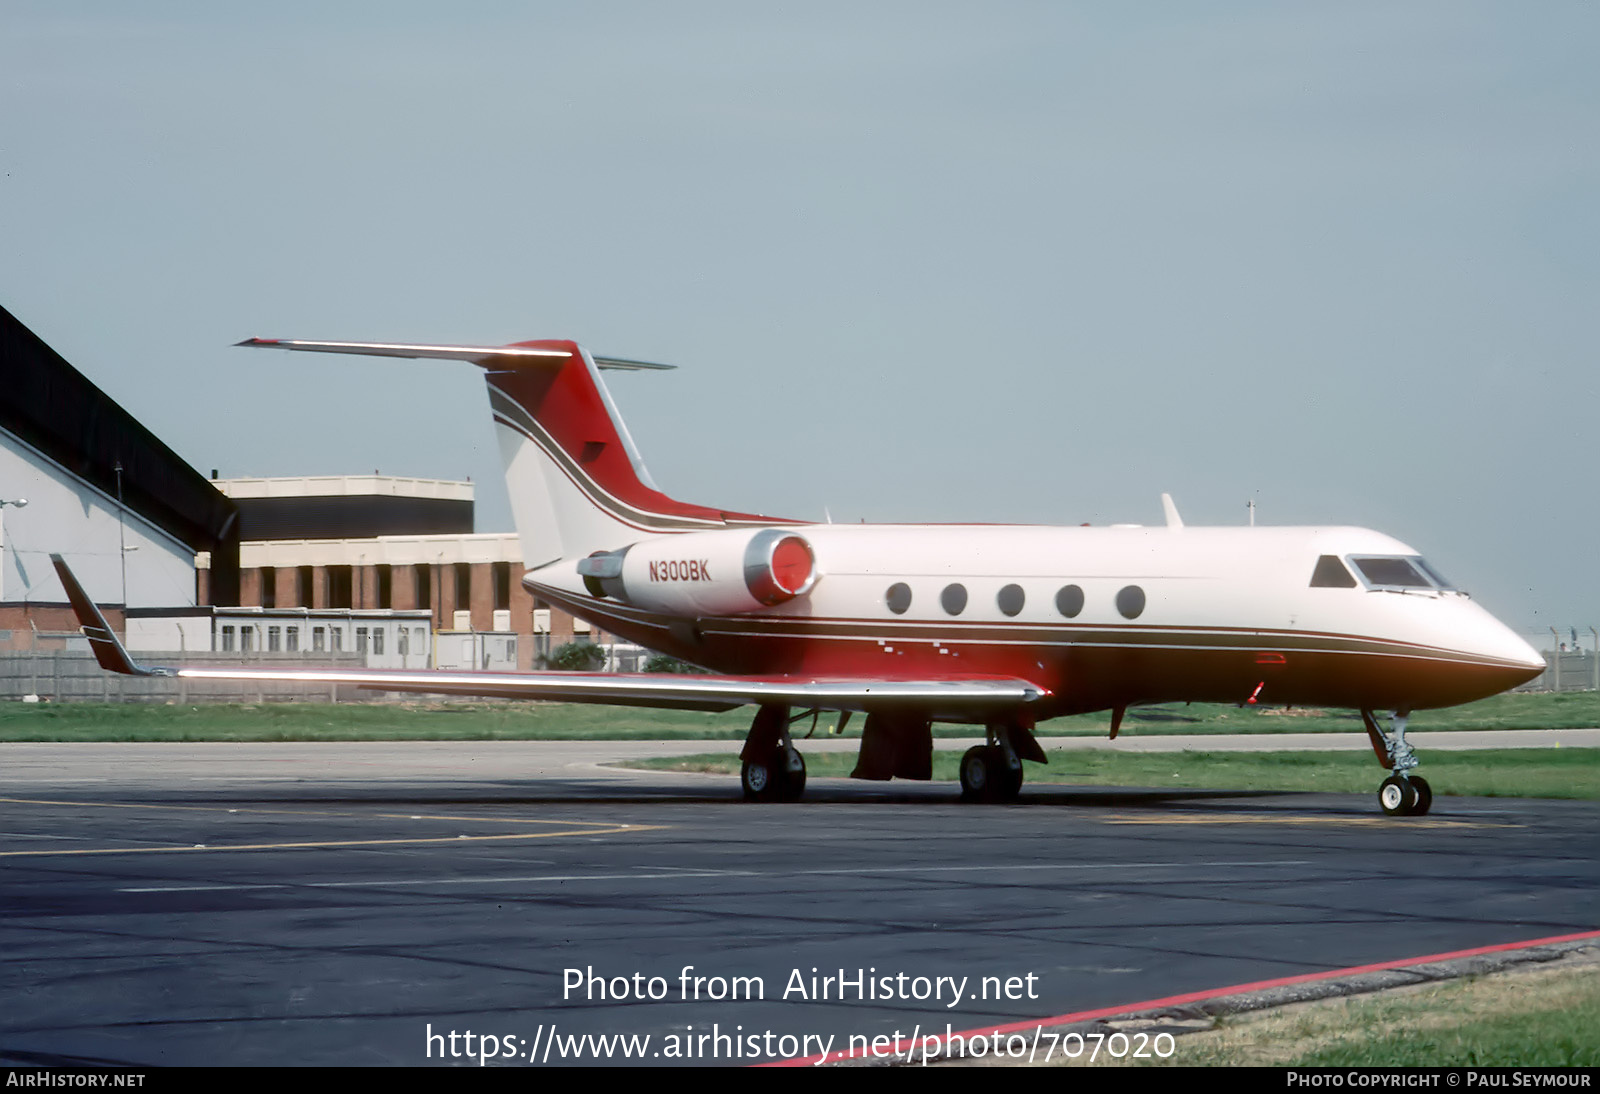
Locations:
(1171, 509)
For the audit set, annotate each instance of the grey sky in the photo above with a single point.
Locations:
(1008, 262)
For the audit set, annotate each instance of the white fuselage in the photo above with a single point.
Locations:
(1100, 616)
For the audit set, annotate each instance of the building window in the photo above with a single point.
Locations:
(227, 639)
(385, 586)
(293, 636)
(274, 639)
(377, 641)
(463, 586)
(361, 640)
(405, 642)
(336, 639)
(269, 587)
(341, 587)
(502, 586)
(303, 592)
(424, 578)
(319, 639)
(246, 639)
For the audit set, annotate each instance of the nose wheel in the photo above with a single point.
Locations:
(1402, 794)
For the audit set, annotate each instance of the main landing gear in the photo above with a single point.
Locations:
(1402, 794)
(773, 769)
(992, 772)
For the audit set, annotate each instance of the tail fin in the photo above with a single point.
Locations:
(577, 483)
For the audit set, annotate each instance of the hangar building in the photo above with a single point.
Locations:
(127, 513)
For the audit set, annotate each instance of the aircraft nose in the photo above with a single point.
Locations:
(1518, 662)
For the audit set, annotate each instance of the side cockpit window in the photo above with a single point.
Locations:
(1331, 574)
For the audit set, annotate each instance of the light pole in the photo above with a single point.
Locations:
(18, 503)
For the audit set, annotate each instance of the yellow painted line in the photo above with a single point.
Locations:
(1262, 818)
(605, 826)
(563, 828)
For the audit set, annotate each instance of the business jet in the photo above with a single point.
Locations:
(991, 626)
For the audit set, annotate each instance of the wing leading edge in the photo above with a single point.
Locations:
(954, 696)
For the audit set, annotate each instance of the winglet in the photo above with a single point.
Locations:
(108, 650)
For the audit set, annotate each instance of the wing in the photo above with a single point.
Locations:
(950, 697)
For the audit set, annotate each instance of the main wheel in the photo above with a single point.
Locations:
(793, 782)
(772, 780)
(756, 776)
(1397, 797)
(975, 774)
(1424, 796)
(1006, 780)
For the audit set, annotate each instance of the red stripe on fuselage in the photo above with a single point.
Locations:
(1145, 665)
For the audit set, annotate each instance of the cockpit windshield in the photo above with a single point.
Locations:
(1395, 572)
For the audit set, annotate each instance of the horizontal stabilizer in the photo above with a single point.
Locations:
(476, 354)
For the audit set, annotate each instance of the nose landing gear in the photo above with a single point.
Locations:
(1402, 794)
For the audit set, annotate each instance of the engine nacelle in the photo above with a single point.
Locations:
(705, 573)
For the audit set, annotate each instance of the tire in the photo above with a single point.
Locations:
(759, 780)
(793, 783)
(1397, 797)
(770, 780)
(975, 774)
(1006, 780)
(1424, 794)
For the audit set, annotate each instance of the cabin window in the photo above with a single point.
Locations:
(1394, 573)
(898, 597)
(1069, 601)
(1331, 574)
(954, 599)
(1011, 599)
(1130, 602)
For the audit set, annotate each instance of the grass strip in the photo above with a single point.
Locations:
(563, 721)
(1539, 1017)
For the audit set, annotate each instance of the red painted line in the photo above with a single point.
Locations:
(902, 1046)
